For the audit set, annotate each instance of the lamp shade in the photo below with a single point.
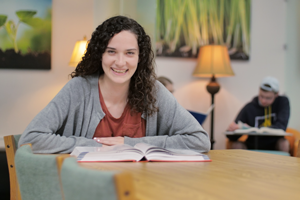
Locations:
(79, 50)
(213, 60)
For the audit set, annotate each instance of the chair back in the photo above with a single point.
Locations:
(81, 183)
(200, 117)
(293, 140)
(298, 150)
(37, 175)
(11, 146)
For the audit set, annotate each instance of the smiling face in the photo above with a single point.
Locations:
(120, 59)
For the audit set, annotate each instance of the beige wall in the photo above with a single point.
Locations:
(25, 92)
(292, 69)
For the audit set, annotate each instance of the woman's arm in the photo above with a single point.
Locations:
(173, 126)
(61, 125)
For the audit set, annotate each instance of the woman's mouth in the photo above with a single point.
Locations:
(120, 71)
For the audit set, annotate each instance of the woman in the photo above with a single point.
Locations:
(114, 98)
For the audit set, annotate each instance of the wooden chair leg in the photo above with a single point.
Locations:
(10, 148)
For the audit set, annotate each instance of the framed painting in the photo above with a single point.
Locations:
(25, 34)
(183, 26)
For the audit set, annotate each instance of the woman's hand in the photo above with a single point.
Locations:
(109, 141)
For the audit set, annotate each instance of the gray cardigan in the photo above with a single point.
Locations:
(71, 118)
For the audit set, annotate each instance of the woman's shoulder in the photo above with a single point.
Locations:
(163, 95)
(81, 86)
(85, 82)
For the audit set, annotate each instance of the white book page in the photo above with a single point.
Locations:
(105, 157)
(261, 130)
(78, 150)
(160, 157)
(157, 153)
(107, 153)
(248, 130)
(272, 131)
(144, 147)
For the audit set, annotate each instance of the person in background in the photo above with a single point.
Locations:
(167, 83)
(268, 109)
(114, 98)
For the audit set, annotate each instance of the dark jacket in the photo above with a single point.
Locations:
(254, 115)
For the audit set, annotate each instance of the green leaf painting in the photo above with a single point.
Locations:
(25, 14)
(25, 34)
(183, 26)
(2, 20)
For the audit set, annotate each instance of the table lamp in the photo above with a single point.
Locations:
(79, 50)
(213, 61)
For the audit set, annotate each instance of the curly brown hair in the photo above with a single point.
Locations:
(141, 97)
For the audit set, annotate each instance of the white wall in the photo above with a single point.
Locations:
(267, 58)
(25, 92)
(292, 70)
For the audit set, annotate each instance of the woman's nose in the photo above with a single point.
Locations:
(120, 60)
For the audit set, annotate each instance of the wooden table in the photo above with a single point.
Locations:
(232, 174)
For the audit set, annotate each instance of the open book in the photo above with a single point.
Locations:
(140, 151)
(262, 130)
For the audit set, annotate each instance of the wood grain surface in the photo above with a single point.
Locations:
(232, 174)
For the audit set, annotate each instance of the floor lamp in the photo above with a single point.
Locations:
(78, 52)
(213, 61)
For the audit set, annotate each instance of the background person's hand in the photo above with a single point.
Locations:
(233, 126)
(109, 141)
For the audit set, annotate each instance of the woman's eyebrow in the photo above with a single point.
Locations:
(132, 49)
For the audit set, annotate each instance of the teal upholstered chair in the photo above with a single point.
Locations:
(11, 146)
(37, 175)
(82, 183)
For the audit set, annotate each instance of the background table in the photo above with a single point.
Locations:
(256, 135)
(232, 174)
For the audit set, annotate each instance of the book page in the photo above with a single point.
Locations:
(272, 131)
(262, 130)
(154, 153)
(77, 150)
(248, 130)
(122, 152)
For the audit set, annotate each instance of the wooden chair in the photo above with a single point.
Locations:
(298, 151)
(11, 145)
(81, 183)
(293, 140)
(37, 175)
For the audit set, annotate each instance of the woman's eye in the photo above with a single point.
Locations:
(110, 51)
(130, 53)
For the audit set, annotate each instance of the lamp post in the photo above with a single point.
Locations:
(213, 61)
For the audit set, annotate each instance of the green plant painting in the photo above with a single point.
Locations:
(183, 26)
(25, 34)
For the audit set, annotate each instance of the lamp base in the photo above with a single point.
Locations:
(213, 87)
